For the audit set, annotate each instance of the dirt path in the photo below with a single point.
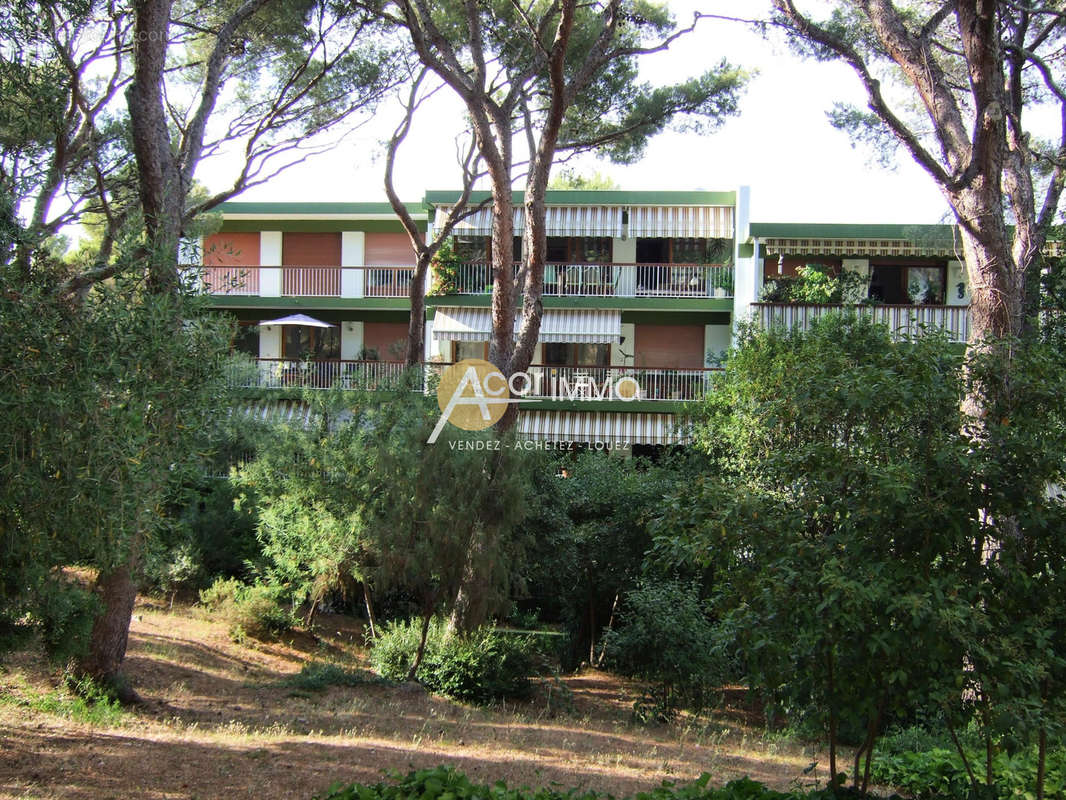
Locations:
(219, 723)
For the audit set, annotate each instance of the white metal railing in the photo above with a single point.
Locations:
(375, 280)
(230, 280)
(283, 373)
(600, 280)
(388, 281)
(560, 280)
(684, 280)
(902, 320)
(618, 383)
(566, 383)
(311, 281)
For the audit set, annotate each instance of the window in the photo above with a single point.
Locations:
(304, 341)
(699, 251)
(247, 339)
(895, 283)
(560, 354)
(461, 350)
(579, 250)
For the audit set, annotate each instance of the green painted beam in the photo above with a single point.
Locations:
(312, 225)
(289, 303)
(923, 234)
(666, 304)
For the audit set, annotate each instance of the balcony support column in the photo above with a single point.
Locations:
(625, 252)
(351, 339)
(353, 254)
(270, 264)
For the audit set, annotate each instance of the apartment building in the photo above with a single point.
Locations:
(646, 285)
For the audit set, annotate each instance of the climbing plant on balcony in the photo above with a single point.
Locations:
(446, 266)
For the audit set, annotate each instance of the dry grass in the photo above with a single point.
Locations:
(218, 722)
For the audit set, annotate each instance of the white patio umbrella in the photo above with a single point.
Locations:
(298, 319)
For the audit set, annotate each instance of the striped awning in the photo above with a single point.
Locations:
(616, 428)
(290, 412)
(589, 326)
(559, 220)
(861, 247)
(710, 222)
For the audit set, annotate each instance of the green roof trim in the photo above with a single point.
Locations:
(317, 225)
(599, 197)
(312, 209)
(922, 234)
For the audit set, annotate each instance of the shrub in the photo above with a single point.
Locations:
(66, 613)
(446, 782)
(928, 766)
(254, 610)
(319, 675)
(666, 639)
(481, 667)
(394, 651)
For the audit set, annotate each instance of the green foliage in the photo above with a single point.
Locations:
(588, 533)
(569, 178)
(480, 667)
(833, 526)
(939, 771)
(255, 610)
(80, 700)
(66, 613)
(319, 676)
(445, 783)
(814, 284)
(667, 639)
(92, 459)
(446, 266)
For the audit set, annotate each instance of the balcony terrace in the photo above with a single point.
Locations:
(469, 278)
(545, 382)
(903, 321)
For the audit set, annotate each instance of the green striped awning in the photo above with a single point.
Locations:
(592, 326)
(617, 428)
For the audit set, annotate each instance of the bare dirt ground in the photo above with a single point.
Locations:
(218, 722)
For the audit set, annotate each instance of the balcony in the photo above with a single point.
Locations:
(903, 321)
(564, 383)
(368, 281)
(601, 280)
(287, 373)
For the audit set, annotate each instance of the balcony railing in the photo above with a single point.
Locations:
(618, 383)
(367, 281)
(230, 280)
(567, 383)
(603, 280)
(902, 320)
(475, 277)
(285, 373)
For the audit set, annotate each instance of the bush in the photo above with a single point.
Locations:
(915, 761)
(254, 610)
(445, 782)
(667, 639)
(66, 613)
(482, 667)
(318, 676)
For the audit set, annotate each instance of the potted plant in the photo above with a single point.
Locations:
(916, 291)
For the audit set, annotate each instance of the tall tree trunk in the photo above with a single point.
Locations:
(427, 617)
(416, 325)
(110, 633)
(471, 608)
(370, 619)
